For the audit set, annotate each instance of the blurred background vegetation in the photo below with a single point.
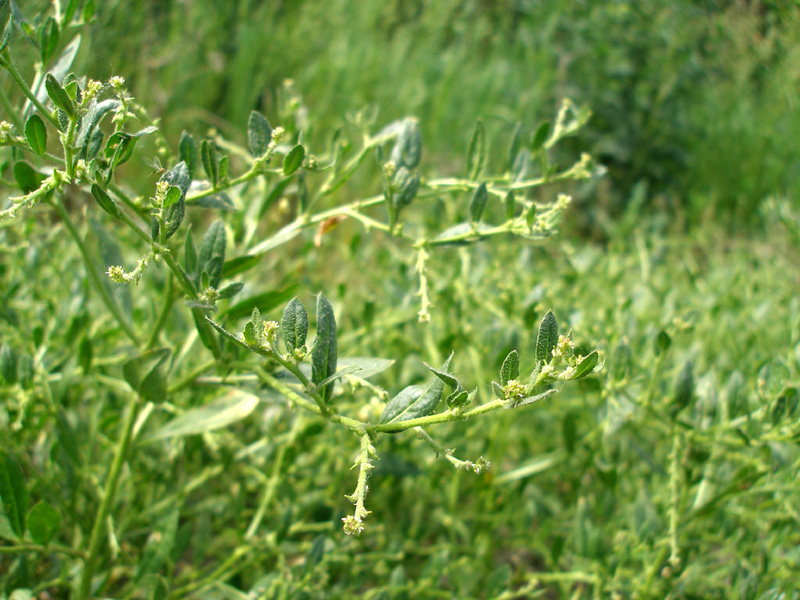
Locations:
(696, 117)
(697, 101)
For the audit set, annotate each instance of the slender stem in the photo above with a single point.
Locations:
(96, 539)
(272, 483)
(10, 110)
(93, 277)
(216, 575)
(49, 549)
(17, 77)
(444, 417)
(166, 308)
(194, 374)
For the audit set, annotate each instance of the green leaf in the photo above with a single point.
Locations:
(476, 155)
(547, 339)
(236, 339)
(663, 342)
(190, 260)
(208, 155)
(8, 364)
(514, 148)
(230, 408)
(325, 353)
(266, 300)
(213, 247)
(59, 97)
(88, 127)
(178, 177)
(230, 290)
(159, 544)
(27, 179)
(586, 365)
(444, 373)
(155, 587)
(408, 191)
(48, 39)
(105, 202)
(146, 374)
(43, 523)
(172, 197)
(413, 402)
(683, 388)
(85, 354)
(540, 136)
(7, 32)
(36, 134)
(13, 493)
(293, 160)
(510, 205)
(294, 325)
(407, 150)
(259, 134)
(478, 203)
(510, 368)
(498, 391)
(187, 150)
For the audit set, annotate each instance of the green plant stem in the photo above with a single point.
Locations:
(5, 101)
(272, 483)
(166, 308)
(109, 492)
(17, 77)
(194, 374)
(90, 270)
(674, 500)
(49, 549)
(216, 575)
(443, 417)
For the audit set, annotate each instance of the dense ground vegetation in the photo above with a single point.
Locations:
(672, 471)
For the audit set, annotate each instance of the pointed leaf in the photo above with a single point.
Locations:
(498, 391)
(105, 202)
(510, 368)
(208, 154)
(230, 290)
(233, 407)
(293, 160)
(58, 95)
(190, 260)
(540, 136)
(146, 374)
(294, 325)
(188, 153)
(478, 203)
(444, 373)
(510, 205)
(325, 353)
(259, 134)
(13, 493)
(413, 402)
(36, 134)
(27, 179)
(43, 523)
(586, 365)
(48, 39)
(212, 252)
(235, 339)
(547, 339)
(476, 156)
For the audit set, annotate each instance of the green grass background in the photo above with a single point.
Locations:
(695, 116)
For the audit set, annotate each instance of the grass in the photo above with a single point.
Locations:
(608, 490)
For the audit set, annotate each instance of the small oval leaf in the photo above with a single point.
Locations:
(36, 134)
(293, 160)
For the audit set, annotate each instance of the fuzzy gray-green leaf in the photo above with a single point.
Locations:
(413, 402)
(146, 374)
(510, 368)
(325, 353)
(547, 339)
(444, 374)
(187, 150)
(478, 203)
(213, 247)
(36, 134)
(294, 325)
(259, 134)
(58, 95)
